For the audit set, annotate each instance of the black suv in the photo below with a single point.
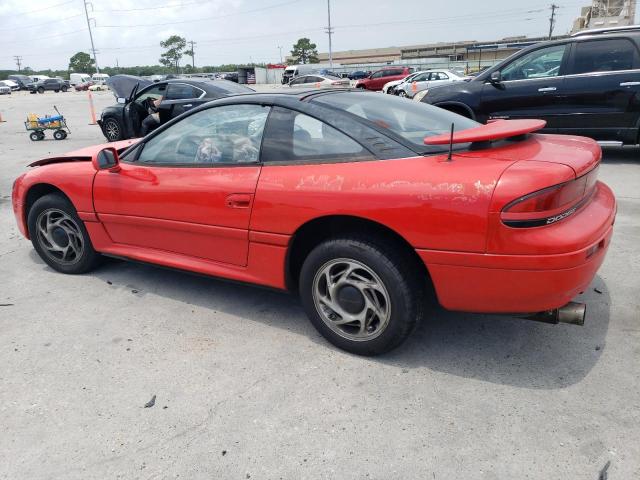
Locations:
(587, 84)
(54, 84)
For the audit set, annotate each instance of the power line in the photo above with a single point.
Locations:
(193, 53)
(39, 24)
(38, 10)
(203, 19)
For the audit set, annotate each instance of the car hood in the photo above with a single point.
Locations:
(84, 154)
(123, 85)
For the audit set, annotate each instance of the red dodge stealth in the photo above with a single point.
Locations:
(364, 204)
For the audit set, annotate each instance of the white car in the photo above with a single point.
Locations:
(427, 79)
(390, 87)
(11, 84)
(4, 90)
(98, 87)
(319, 81)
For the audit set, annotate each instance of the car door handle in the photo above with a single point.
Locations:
(188, 105)
(547, 89)
(629, 84)
(238, 200)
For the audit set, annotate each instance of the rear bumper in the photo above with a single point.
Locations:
(494, 283)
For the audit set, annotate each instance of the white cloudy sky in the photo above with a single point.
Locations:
(47, 33)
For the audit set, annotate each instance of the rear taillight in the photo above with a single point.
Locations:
(551, 204)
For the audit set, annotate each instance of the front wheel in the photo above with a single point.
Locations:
(59, 236)
(40, 90)
(112, 129)
(64, 89)
(363, 296)
(403, 94)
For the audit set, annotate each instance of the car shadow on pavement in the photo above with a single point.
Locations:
(620, 155)
(508, 350)
(492, 348)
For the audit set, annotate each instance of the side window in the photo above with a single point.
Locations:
(294, 136)
(604, 56)
(542, 63)
(423, 77)
(155, 92)
(377, 74)
(230, 134)
(182, 91)
(297, 81)
(312, 79)
(439, 76)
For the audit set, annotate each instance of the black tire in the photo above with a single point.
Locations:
(361, 86)
(403, 94)
(34, 136)
(59, 135)
(390, 266)
(56, 204)
(65, 88)
(112, 129)
(40, 90)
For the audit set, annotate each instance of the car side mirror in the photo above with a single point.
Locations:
(122, 100)
(496, 77)
(107, 159)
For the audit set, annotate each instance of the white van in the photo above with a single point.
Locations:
(37, 77)
(78, 78)
(293, 71)
(99, 78)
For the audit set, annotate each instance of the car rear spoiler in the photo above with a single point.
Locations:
(496, 130)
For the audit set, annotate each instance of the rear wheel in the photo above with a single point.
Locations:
(40, 90)
(60, 237)
(34, 136)
(64, 88)
(364, 296)
(59, 135)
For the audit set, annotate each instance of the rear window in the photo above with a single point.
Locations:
(604, 56)
(225, 87)
(410, 120)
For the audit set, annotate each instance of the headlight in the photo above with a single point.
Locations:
(420, 95)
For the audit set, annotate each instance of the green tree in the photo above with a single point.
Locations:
(81, 63)
(304, 51)
(174, 46)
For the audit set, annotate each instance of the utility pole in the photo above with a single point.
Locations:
(93, 48)
(552, 19)
(280, 48)
(329, 31)
(193, 54)
(18, 59)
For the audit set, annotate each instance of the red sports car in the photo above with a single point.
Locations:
(362, 203)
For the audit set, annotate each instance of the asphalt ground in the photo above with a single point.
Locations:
(245, 388)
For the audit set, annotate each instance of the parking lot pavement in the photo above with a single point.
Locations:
(246, 388)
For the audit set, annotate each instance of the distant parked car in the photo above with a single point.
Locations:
(99, 78)
(48, 84)
(390, 87)
(231, 76)
(79, 78)
(586, 84)
(357, 75)
(11, 84)
(319, 81)
(426, 80)
(4, 90)
(97, 87)
(124, 120)
(83, 86)
(376, 80)
(21, 80)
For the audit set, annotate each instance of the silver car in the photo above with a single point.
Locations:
(4, 90)
(427, 79)
(319, 81)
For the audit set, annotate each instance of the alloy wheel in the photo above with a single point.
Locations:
(112, 130)
(351, 299)
(60, 236)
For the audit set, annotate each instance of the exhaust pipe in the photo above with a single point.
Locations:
(572, 313)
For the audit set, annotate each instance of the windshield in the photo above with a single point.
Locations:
(410, 120)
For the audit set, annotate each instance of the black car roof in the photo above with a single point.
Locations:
(210, 86)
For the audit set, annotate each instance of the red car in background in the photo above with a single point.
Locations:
(377, 79)
(83, 86)
(366, 205)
